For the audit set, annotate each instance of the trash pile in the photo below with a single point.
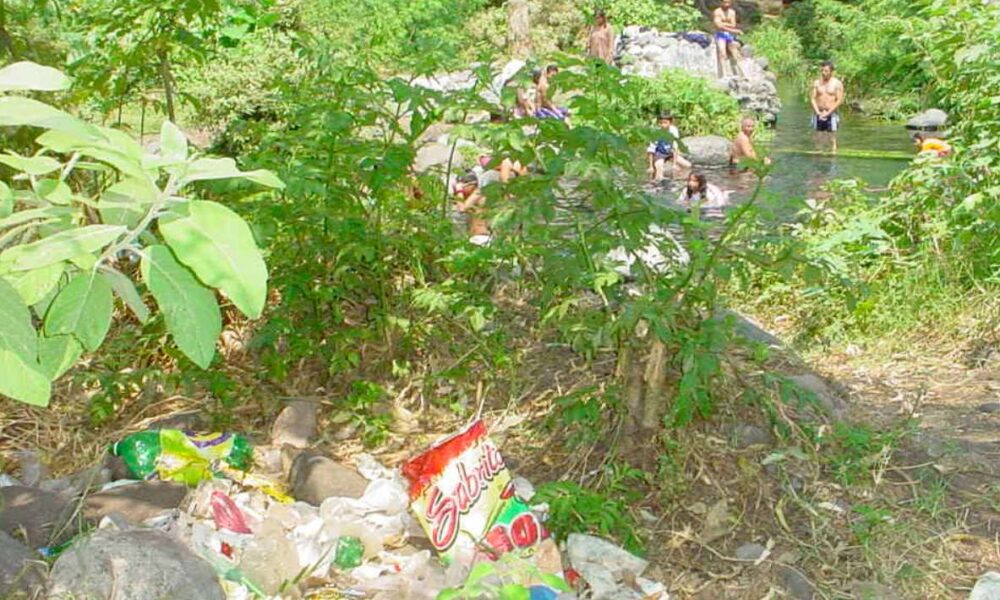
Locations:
(210, 516)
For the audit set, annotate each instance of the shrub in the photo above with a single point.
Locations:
(673, 16)
(782, 48)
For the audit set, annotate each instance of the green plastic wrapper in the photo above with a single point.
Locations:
(175, 455)
(349, 552)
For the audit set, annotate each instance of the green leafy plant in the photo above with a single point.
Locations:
(73, 212)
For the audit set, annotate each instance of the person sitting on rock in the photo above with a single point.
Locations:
(742, 146)
(544, 108)
(470, 201)
(930, 144)
(664, 149)
(601, 43)
(726, 30)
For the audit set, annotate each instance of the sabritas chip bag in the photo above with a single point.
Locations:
(461, 493)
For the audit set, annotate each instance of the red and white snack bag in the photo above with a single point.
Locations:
(462, 494)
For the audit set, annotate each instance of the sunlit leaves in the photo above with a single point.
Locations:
(27, 75)
(82, 309)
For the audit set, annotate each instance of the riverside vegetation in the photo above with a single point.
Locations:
(636, 392)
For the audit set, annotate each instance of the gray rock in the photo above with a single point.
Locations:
(314, 478)
(88, 479)
(436, 155)
(989, 407)
(987, 588)
(822, 392)
(747, 50)
(707, 150)
(35, 516)
(868, 590)
(762, 62)
(22, 574)
(137, 564)
(795, 583)
(931, 120)
(746, 435)
(750, 551)
(296, 424)
(135, 502)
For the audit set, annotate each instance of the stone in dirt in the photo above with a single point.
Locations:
(707, 150)
(22, 574)
(745, 436)
(828, 399)
(869, 590)
(990, 407)
(314, 478)
(795, 583)
(136, 502)
(750, 551)
(987, 588)
(296, 424)
(132, 565)
(34, 515)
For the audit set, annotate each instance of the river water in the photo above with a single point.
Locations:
(797, 174)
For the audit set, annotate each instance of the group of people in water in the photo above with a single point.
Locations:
(664, 155)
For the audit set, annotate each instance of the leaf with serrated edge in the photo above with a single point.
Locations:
(57, 354)
(83, 309)
(22, 380)
(125, 290)
(219, 247)
(189, 308)
(16, 332)
(35, 284)
(64, 245)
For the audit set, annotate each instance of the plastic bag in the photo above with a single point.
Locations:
(174, 455)
(462, 494)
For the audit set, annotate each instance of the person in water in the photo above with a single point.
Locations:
(927, 143)
(742, 146)
(601, 43)
(544, 108)
(664, 150)
(470, 201)
(699, 192)
(726, 30)
(827, 96)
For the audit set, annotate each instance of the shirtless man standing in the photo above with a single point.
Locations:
(726, 30)
(827, 96)
(743, 144)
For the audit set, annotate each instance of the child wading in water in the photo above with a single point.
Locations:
(664, 150)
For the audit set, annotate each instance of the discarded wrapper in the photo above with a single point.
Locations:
(175, 455)
(462, 494)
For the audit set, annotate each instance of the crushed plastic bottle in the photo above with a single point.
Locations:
(270, 560)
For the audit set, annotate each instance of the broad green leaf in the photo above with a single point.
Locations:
(32, 165)
(6, 201)
(225, 168)
(54, 191)
(126, 202)
(27, 75)
(59, 247)
(23, 380)
(173, 142)
(57, 354)
(513, 591)
(219, 247)
(16, 331)
(35, 284)
(83, 309)
(16, 110)
(107, 145)
(125, 290)
(189, 308)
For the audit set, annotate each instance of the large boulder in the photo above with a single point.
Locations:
(22, 573)
(436, 155)
(929, 120)
(35, 516)
(707, 150)
(137, 564)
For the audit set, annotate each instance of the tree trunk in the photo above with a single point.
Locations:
(518, 28)
(643, 369)
(168, 85)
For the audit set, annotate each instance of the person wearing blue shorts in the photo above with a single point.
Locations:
(827, 96)
(726, 43)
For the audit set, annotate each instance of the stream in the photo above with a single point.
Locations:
(798, 174)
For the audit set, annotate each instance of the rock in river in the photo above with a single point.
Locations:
(929, 120)
(707, 150)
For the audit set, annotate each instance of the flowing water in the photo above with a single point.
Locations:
(800, 166)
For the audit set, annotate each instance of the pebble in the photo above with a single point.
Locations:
(990, 407)
(797, 585)
(745, 436)
(869, 590)
(314, 478)
(750, 551)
